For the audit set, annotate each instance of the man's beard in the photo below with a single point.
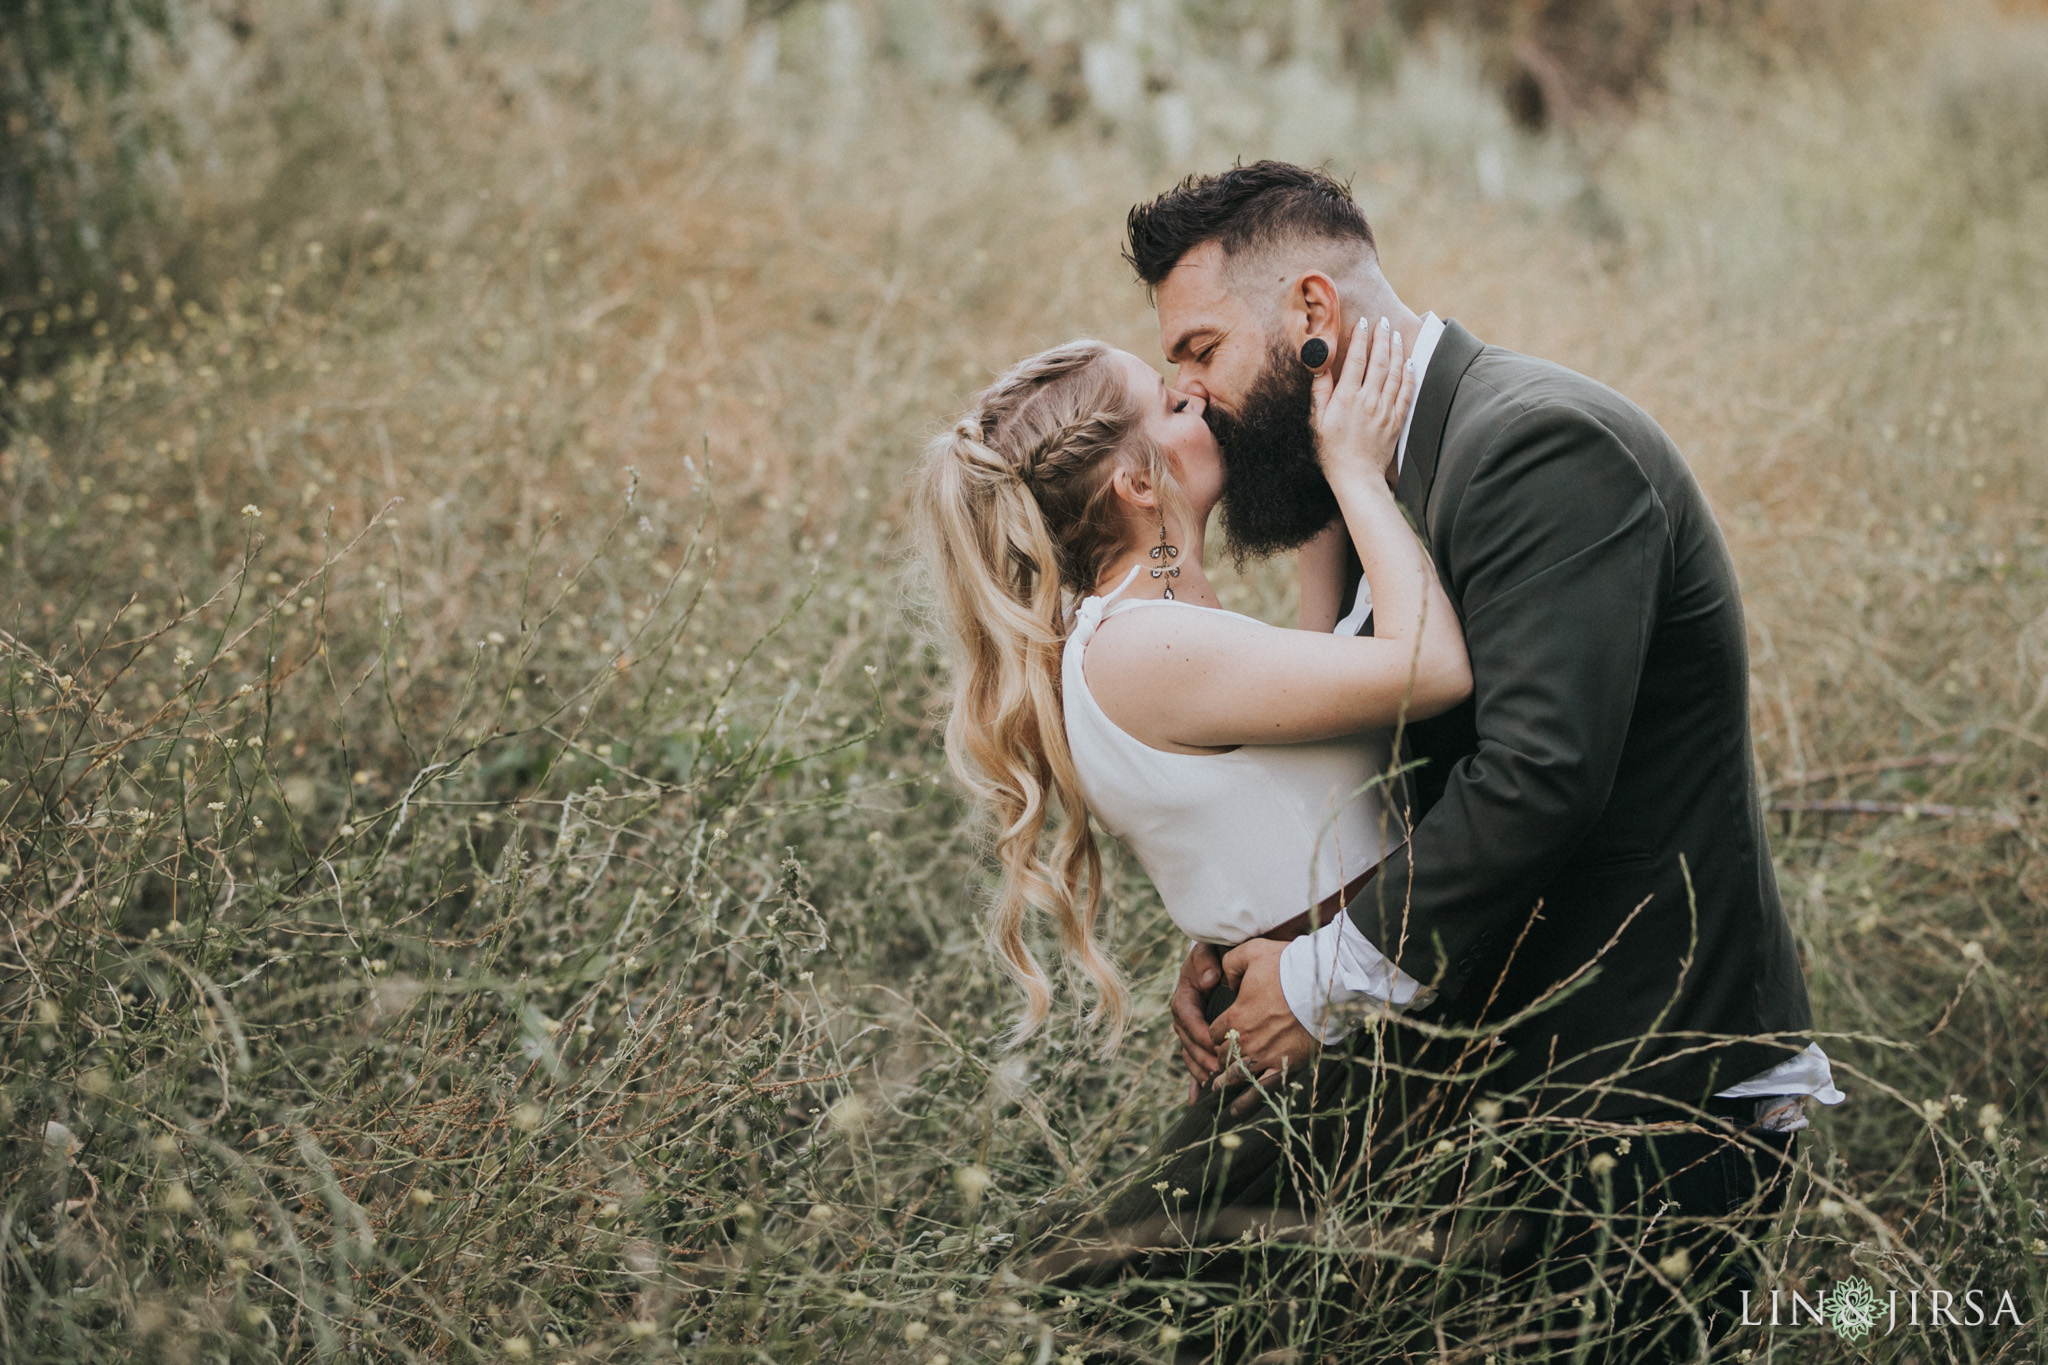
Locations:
(1275, 497)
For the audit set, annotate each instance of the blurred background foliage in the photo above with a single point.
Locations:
(477, 872)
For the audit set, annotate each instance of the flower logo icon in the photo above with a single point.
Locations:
(1852, 1309)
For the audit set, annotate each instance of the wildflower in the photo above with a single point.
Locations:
(252, 511)
(1500, 1163)
(1444, 1147)
(855, 1299)
(526, 1117)
(914, 1332)
(1933, 1110)
(1973, 952)
(1069, 1304)
(1989, 1118)
(1622, 1145)
(1487, 1111)
(178, 1199)
(641, 1328)
(1602, 1164)
(1676, 1266)
(1168, 1335)
(849, 1114)
(216, 806)
(939, 1358)
(516, 1348)
(1231, 1142)
(57, 1136)
(242, 1239)
(1159, 1186)
(183, 658)
(972, 1181)
(1830, 1208)
(422, 1197)
(495, 637)
(1180, 1192)
(948, 1300)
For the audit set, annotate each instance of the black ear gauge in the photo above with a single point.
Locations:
(1314, 352)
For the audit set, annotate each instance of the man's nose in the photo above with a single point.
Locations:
(1191, 388)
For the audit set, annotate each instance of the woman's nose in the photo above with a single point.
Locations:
(1196, 398)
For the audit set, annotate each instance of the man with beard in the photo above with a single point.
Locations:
(1586, 885)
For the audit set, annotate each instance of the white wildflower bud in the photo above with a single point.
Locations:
(847, 1115)
(1602, 1164)
(1676, 1266)
(972, 1181)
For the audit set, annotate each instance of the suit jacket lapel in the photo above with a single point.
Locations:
(1455, 352)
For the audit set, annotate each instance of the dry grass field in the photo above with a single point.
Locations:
(478, 876)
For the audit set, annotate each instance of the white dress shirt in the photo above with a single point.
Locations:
(1338, 965)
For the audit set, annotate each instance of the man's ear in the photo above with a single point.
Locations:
(1317, 310)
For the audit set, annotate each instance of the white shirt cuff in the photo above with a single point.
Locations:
(1338, 965)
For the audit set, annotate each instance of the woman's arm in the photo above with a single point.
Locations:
(1187, 678)
(1359, 415)
(1319, 565)
(1183, 678)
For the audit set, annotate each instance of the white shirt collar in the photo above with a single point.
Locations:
(1418, 365)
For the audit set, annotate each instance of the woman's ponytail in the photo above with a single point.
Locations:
(1019, 518)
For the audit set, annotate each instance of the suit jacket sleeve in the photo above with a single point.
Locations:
(1557, 552)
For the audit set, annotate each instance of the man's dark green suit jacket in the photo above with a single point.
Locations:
(1602, 764)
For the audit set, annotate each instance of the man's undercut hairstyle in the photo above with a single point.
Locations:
(1243, 209)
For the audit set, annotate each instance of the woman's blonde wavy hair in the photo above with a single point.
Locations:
(1019, 519)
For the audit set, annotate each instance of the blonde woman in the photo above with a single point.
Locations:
(1099, 683)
